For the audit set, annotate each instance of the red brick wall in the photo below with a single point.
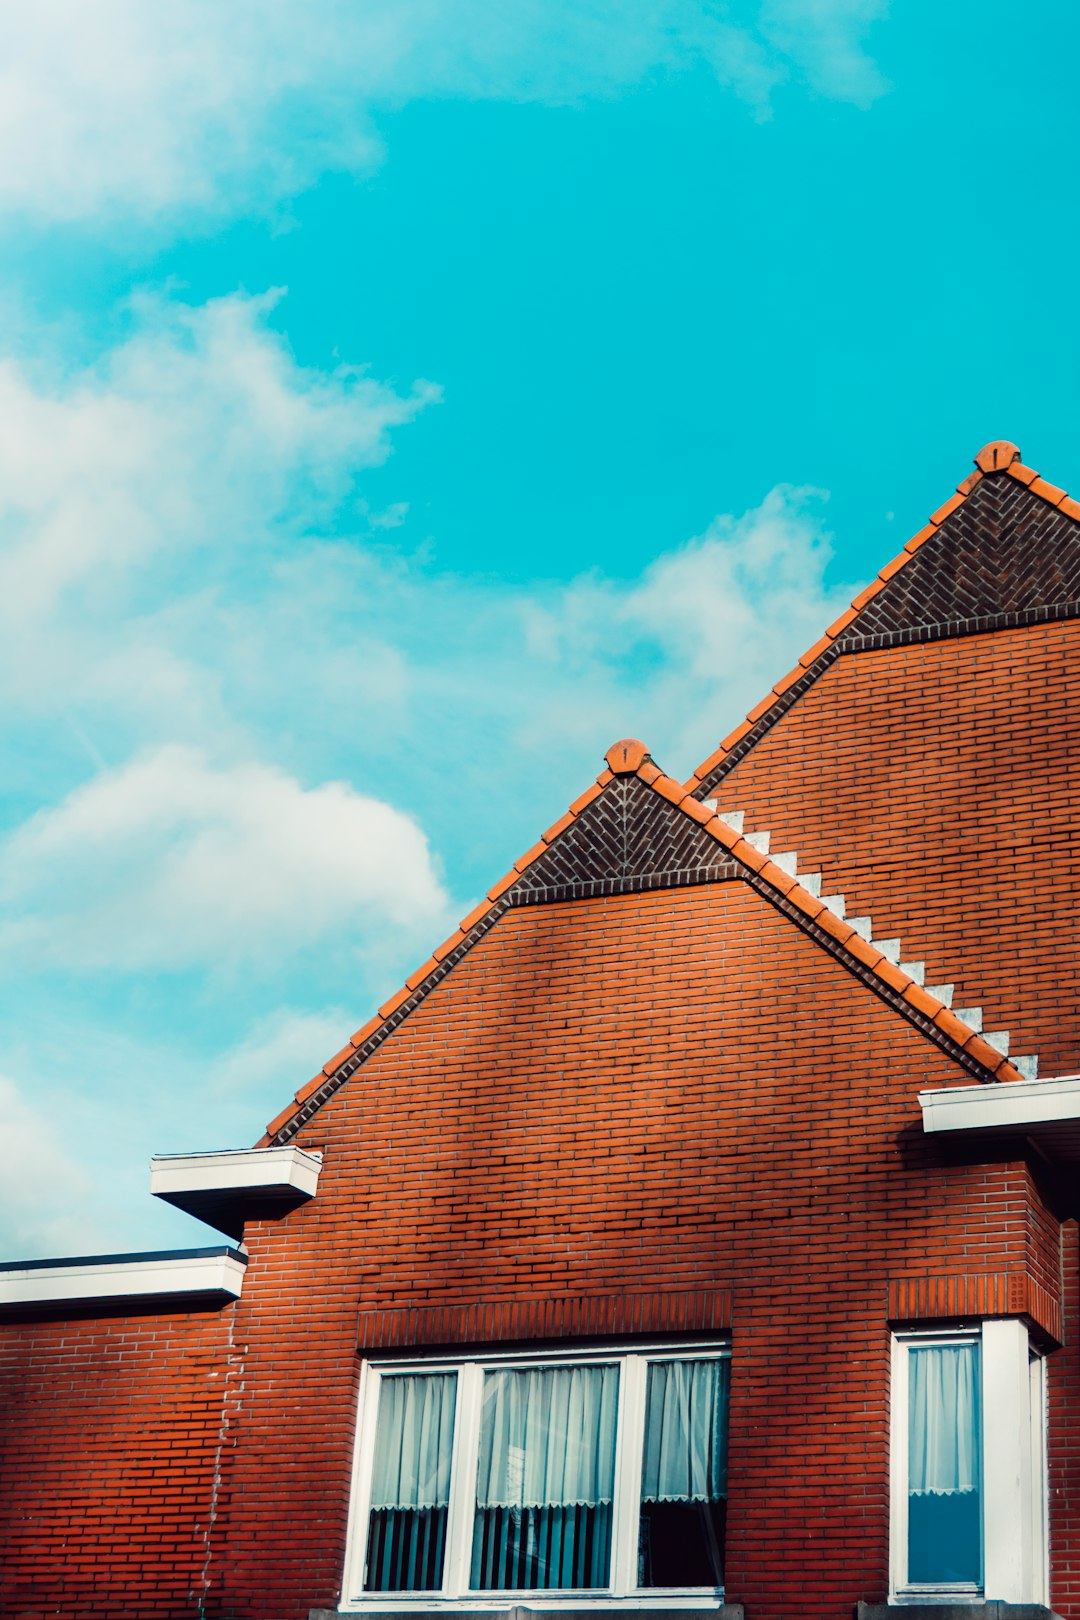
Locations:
(671, 1091)
(112, 1432)
(650, 1092)
(958, 833)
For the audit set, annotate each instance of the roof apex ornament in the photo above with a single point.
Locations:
(625, 756)
(996, 456)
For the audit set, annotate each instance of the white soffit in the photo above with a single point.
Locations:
(260, 1172)
(1046, 1109)
(180, 1273)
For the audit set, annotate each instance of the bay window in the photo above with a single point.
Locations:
(968, 1466)
(590, 1473)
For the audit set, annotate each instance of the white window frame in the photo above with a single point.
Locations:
(632, 1361)
(1014, 1493)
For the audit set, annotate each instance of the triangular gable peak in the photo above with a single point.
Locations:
(637, 829)
(1004, 551)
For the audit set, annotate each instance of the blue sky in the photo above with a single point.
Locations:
(401, 402)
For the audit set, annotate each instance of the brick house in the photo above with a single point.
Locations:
(677, 1237)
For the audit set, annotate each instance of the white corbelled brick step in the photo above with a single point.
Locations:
(788, 861)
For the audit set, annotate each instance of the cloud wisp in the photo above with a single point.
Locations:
(240, 107)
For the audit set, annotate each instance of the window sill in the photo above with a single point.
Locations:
(955, 1609)
(603, 1609)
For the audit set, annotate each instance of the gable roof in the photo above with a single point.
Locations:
(634, 829)
(1003, 551)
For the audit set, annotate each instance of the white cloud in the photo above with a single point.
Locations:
(41, 1187)
(123, 107)
(284, 1050)
(168, 862)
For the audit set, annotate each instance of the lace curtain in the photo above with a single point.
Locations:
(545, 1479)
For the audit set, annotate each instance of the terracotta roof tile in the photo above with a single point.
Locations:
(340, 1058)
(503, 884)
(469, 922)
(366, 1030)
(422, 973)
(921, 1000)
(395, 1002)
(1047, 492)
(558, 827)
(1022, 474)
(945, 510)
(921, 538)
(311, 1088)
(585, 799)
(448, 945)
(531, 855)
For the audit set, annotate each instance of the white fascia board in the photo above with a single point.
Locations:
(1002, 1105)
(180, 1274)
(254, 1170)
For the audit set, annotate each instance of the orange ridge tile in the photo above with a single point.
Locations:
(921, 538)
(557, 827)
(648, 772)
(1022, 474)
(338, 1059)
(583, 800)
(310, 1089)
(813, 653)
(468, 923)
(531, 855)
(1047, 492)
(366, 1031)
(946, 509)
(280, 1119)
(395, 1002)
(421, 973)
(448, 945)
(504, 883)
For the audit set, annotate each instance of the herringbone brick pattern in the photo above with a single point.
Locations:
(628, 839)
(1004, 551)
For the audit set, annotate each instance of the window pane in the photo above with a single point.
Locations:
(684, 1474)
(944, 1465)
(410, 1484)
(545, 1479)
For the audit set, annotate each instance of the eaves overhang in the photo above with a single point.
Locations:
(188, 1276)
(227, 1188)
(1047, 1111)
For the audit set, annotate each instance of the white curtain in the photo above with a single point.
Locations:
(686, 1421)
(943, 1419)
(414, 1436)
(547, 1437)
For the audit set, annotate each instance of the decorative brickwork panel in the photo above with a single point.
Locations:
(629, 839)
(1002, 552)
(1001, 1293)
(562, 1317)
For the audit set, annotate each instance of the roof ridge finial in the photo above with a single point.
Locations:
(996, 456)
(625, 756)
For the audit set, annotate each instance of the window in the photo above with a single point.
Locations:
(969, 1473)
(598, 1474)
